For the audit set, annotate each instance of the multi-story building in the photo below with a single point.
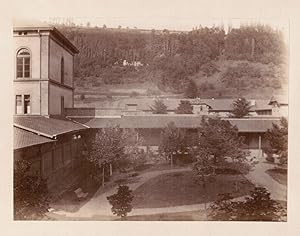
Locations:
(43, 88)
(43, 79)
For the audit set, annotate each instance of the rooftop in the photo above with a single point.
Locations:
(48, 127)
(34, 25)
(181, 121)
(172, 103)
(23, 138)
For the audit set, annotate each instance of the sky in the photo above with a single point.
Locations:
(157, 14)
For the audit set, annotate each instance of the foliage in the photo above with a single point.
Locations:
(173, 140)
(175, 56)
(278, 140)
(121, 201)
(159, 107)
(30, 193)
(257, 42)
(108, 148)
(257, 207)
(241, 108)
(191, 90)
(219, 139)
(184, 107)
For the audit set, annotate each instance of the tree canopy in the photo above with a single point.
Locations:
(220, 139)
(121, 201)
(278, 140)
(241, 108)
(159, 107)
(184, 107)
(259, 206)
(31, 200)
(109, 145)
(173, 140)
(191, 90)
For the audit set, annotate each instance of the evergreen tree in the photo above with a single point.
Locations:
(278, 140)
(259, 206)
(159, 107)
(220, 139)
(191, 90)
(241, 108)
(121, 201)
(184, 107)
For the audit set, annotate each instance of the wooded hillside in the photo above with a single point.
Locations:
(256, 56)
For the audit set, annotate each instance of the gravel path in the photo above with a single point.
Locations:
(99, 206)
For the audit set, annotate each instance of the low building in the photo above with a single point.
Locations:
(53, 146)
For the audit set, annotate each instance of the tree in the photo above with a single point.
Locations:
(108, 147)
(173, 141)
(30, 193)
(191, 90)
(121, 201)
(241, 108)
(220, 139)
(184, 107)
(278, 140)
(257, 207)
(159, 107)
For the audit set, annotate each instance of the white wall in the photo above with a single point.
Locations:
(56, 53)
(55, 93)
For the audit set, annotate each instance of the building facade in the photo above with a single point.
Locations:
(43, 89)
(44, 70)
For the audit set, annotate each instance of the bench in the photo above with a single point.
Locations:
(80, 194)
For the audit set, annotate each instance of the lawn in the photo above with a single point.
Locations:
(278, 174)
(179, 188)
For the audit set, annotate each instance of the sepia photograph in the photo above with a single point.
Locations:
(121, 122)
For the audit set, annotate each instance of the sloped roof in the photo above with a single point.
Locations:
(23, 138)
(181, 121)
(172, 103)
(46, 126)
(280, 99)
(253, 125)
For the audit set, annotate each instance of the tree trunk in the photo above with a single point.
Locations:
(103, 176)
(110, 169)
(171, 160)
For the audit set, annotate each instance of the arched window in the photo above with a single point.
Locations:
(23, 63)
(62, 70)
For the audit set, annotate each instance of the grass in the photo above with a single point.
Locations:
(175, 189)
(278, 174)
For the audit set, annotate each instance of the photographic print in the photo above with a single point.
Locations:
(119, 121)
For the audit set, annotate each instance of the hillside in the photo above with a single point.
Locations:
(249, 61)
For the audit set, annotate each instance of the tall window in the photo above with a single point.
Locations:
(23, 105)
(26, 104)
(23, 63)
(62, 70)
(19, 104)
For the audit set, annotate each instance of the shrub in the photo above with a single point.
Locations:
(270, 158)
